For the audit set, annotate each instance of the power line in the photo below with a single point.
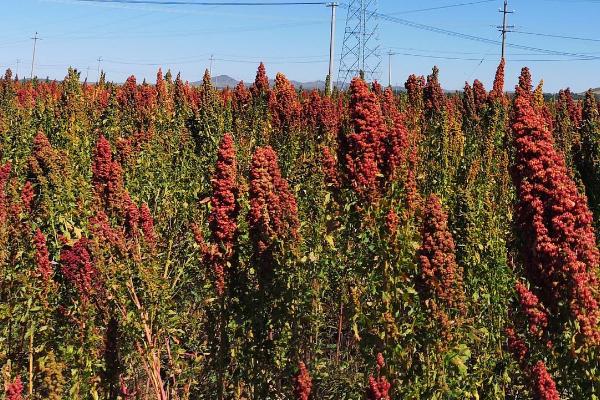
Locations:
(278, 3)
(275, 62)
(224, 30)
(185, 11)
(114, 21)
(479, 59)
(557, 36)
(323, 61)
(441, 7)
(206, 56)
(574, 1)
(8, 44)
(416, 25)
(193, 3)
(456, 51)
(480, 62)
(387, 17)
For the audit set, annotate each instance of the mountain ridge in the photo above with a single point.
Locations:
(223, 81)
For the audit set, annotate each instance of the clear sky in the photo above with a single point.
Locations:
(137, 39)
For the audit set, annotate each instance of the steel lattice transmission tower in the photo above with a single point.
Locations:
(361, 48)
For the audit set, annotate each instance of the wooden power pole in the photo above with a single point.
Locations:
(505, 28)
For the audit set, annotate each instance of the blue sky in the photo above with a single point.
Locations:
(136, 39)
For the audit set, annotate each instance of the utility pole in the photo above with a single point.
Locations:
(363, 31)
(35, 38)
(99, 61)
(87, 73)
(212, 58)
(504, 28)
(331, 44)
(390, 54)
(18, 63)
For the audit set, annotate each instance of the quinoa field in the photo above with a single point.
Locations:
(168, 241)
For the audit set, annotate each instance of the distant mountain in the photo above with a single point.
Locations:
(308, 85)
(219, 81)
(596, 91)
(223, 81)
